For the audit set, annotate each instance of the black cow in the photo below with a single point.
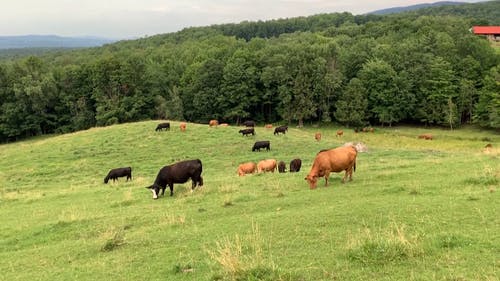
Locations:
(281, 167)
(295, 165)
(280, 129)
(179, 172)
(249, 123)
(246, 132)
(261, 144)
(114, 174)
(162, 126)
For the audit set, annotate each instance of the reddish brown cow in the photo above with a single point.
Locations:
(340, 133)
(268, 126)
(266, 165)
(334, 160)
(246, 168)
(213, 123)
(183, 127)
(425, 136)
(317, 136)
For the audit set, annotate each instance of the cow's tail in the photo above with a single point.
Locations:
(354, 166)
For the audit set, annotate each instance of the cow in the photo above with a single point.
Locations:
(246, 168)
(249, 123)
(281, 167)
(268, 165)
(261, 144)
(280, 129)
(246, 132)
(182, 126)
(114, 174)
(340, 133)
(334, 160)
(295, 165)
(213, 123)
(224, 124)
(425, 136)
(317, 136)
(162, 126)
(268, 126)
(179, 172)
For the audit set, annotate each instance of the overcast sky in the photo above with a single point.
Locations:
(136, 18)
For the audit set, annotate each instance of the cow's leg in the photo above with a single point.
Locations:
(327, 175)
(171, 186)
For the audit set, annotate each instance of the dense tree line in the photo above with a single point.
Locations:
(354, 70)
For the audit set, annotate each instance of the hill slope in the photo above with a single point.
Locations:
(394, 10)
(413, 206)
(50, 41)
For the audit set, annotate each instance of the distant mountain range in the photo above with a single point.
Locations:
(51, 41)
(414, 7)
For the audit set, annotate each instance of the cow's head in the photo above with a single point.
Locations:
(154, 189)
(312, 180)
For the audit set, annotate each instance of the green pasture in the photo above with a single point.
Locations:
(415, 210)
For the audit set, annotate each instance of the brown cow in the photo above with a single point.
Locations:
(246, 168)
(268, 126)
(266, 165)
(281, 167)
(425, 136)
(213, 123)
(317, 136)
(333, 160)
(224, 124)
(183, 127)
(340, 133)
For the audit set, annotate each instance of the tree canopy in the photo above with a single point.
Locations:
(419, 67)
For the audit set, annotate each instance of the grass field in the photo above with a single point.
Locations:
(416, 209)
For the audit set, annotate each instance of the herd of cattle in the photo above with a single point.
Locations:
(326, 161)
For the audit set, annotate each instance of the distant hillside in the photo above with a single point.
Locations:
(50, 41)
(395, 10)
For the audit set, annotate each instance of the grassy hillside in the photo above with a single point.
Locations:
(416, 210)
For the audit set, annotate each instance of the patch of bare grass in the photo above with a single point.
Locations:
(384, 246)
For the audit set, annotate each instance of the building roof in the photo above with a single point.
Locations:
(486, 29)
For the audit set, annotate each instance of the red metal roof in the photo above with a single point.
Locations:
(486, 29)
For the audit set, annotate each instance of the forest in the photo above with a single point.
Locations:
(424, 68)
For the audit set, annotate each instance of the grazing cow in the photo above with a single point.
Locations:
(281, 167)
(246, 132)
(162, 126)
(249, 123)
(261, 144)
(213, 123)
(246, 168)
(371, 130)
(488, 146)
(334, 160)
(179, 172)
(425, 136)
(340, 133)
(268, 126)
(224, 124)
(317, 136)
(295, 165)
(280, 129)
(114, 174)
(183, 127)
(268, 165)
